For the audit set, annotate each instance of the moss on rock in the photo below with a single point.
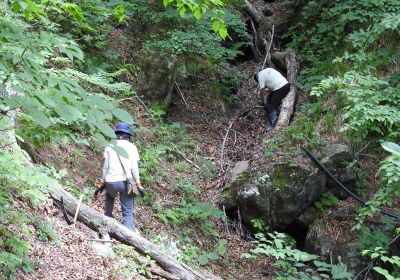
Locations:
(288, 178)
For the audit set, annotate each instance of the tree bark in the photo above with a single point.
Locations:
(254, 14)
(288, 102)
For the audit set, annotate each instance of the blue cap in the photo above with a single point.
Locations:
(124, 128)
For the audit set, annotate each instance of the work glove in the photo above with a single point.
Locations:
(140, 189)
(100, 188)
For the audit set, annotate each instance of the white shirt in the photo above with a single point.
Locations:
(112, 170)
(271, 79)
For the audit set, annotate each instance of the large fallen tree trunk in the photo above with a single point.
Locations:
(288, 102)
(98, 222)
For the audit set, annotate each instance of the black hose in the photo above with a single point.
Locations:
(356, 197)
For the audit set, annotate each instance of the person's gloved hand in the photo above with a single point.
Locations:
(140, 189)
(100, 188)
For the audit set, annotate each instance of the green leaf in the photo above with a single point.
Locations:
(101, 139)
(120, 151)
(39, 117)
(123, 115)
(62, 111)
(339, 271)
(120, 12)
(223, 31)
(213, 256)
(203, 260)
(384, 272)
(391, 147)
(52, 82)
(215, 25)
(105, 129)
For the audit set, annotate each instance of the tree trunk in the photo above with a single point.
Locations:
(288, 102)
(101, 223)
(254, 14)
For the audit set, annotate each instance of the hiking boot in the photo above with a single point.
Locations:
(273, 118)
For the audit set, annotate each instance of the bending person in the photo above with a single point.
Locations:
(274, 81)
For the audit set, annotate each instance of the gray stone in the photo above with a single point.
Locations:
(316, 243)
(103, 249)
(239, 168)
(336, 155)
(279, 59)
(339, 161)
(307, 217)
(157, 80)
(349, 254)
(278, 199)
(240, 174)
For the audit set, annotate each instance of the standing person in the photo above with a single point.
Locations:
(117, 170)
(274, 81)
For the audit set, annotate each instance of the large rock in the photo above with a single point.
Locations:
(318, 241)
(279, 59)
(349, 254)
(240, 174)
(339, 161)
(333, 246)
(307, 217)
(278, 199)
(157, 80)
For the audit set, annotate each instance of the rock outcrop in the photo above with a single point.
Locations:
(157, 80)
(277, 199)
(340, 162)
(287, 194)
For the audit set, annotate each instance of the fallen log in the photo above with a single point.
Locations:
(288, 102)
(99, 222)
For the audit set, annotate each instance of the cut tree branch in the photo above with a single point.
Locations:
(184, 157)
(181, 93)
(221, 161)
(257, 53)
(268, 50)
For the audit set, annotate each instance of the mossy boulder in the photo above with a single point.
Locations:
(157, 80)
(280, 198)
(240, 175)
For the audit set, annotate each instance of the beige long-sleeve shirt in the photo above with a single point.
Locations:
(112, 169)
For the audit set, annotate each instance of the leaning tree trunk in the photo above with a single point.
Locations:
(288, 102)
(92, 218)
(261, 30)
